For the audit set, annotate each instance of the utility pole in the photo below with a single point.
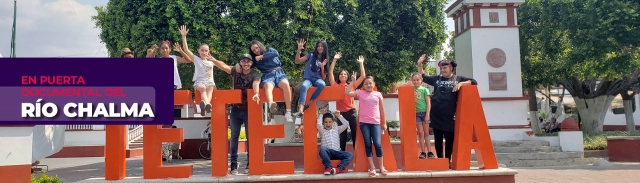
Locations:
(13, 31)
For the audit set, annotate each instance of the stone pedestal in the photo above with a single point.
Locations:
(289, 128)
(16, 143)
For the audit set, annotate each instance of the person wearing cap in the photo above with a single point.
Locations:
(165, 52)
(244, 80)
(126, 53)
(444, 102)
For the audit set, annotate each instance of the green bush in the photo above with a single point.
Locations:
(598, 141)
(45, 179)
(243, 135)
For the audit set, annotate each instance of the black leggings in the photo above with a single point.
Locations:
(351, 117)
(448, 137)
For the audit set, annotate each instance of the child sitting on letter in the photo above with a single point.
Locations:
(330, 146)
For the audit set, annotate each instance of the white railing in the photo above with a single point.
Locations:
(135, 131)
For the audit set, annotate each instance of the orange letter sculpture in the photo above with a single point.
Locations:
(258, 133)
(219, 142)
(115, 163)
(152, 167)
(470, 123)
(361, 164)
(312, 162)
(410, 160)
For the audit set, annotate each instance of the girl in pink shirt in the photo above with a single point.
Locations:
(370, 115)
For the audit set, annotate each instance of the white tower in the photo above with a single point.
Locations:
(487, 48)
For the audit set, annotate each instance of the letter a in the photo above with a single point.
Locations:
(470, 123)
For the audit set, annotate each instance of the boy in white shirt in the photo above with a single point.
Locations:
(330, 144)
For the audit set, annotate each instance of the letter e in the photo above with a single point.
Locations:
(219, 142)
(154, 136)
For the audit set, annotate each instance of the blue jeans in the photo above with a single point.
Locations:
(371, 132)
(328, 154)
(306, 84)
(238, 117)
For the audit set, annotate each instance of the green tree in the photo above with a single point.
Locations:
(451, 54)
(390, 34)
(588, 46)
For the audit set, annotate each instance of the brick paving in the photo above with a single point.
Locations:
(78, 169)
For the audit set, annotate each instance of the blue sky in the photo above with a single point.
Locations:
(59, 28)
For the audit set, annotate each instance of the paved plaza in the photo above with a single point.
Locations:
(78, 169)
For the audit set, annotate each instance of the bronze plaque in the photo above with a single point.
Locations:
(497, 81)
(496, 58)
(494, 17)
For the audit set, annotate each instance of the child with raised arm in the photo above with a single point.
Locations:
(314, 72)
(371, 117)
(203, 74)
(165, 52)
(330, 144)
(445, 101)
(423, 107)
(267, 61)
(347, 106)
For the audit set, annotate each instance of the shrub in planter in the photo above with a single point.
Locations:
(45, 179)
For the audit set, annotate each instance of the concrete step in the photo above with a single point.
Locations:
(527, 149)
(544, 163)
(520, 143)
(136, 146)
(535, 156)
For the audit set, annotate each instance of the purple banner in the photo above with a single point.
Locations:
(110, 86)
(98, 103)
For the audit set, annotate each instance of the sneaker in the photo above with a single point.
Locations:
(430, 155)
(337, 170)
(273, 107)
(288, 116)
(329, 171)
(246, 169)
(422, 155)
(202, 110)
(298, 115)
(234, 168)
(305, 108)
(207, 108)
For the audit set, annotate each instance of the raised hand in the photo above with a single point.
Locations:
(353, 76)
(301, 44)
(152, 50)
(422, 58)
(336, 113)
(337, 56)
(177, 47)
(323, 63)
(183, 30)
(360, 59)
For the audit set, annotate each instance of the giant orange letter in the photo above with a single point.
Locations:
(152, 167)
(470, 123)
(258, 133)
(219, 142)
(312, 162)
(361, 163)
(410, 160)
(115, 163)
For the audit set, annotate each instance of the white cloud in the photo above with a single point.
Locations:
(50, 29)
